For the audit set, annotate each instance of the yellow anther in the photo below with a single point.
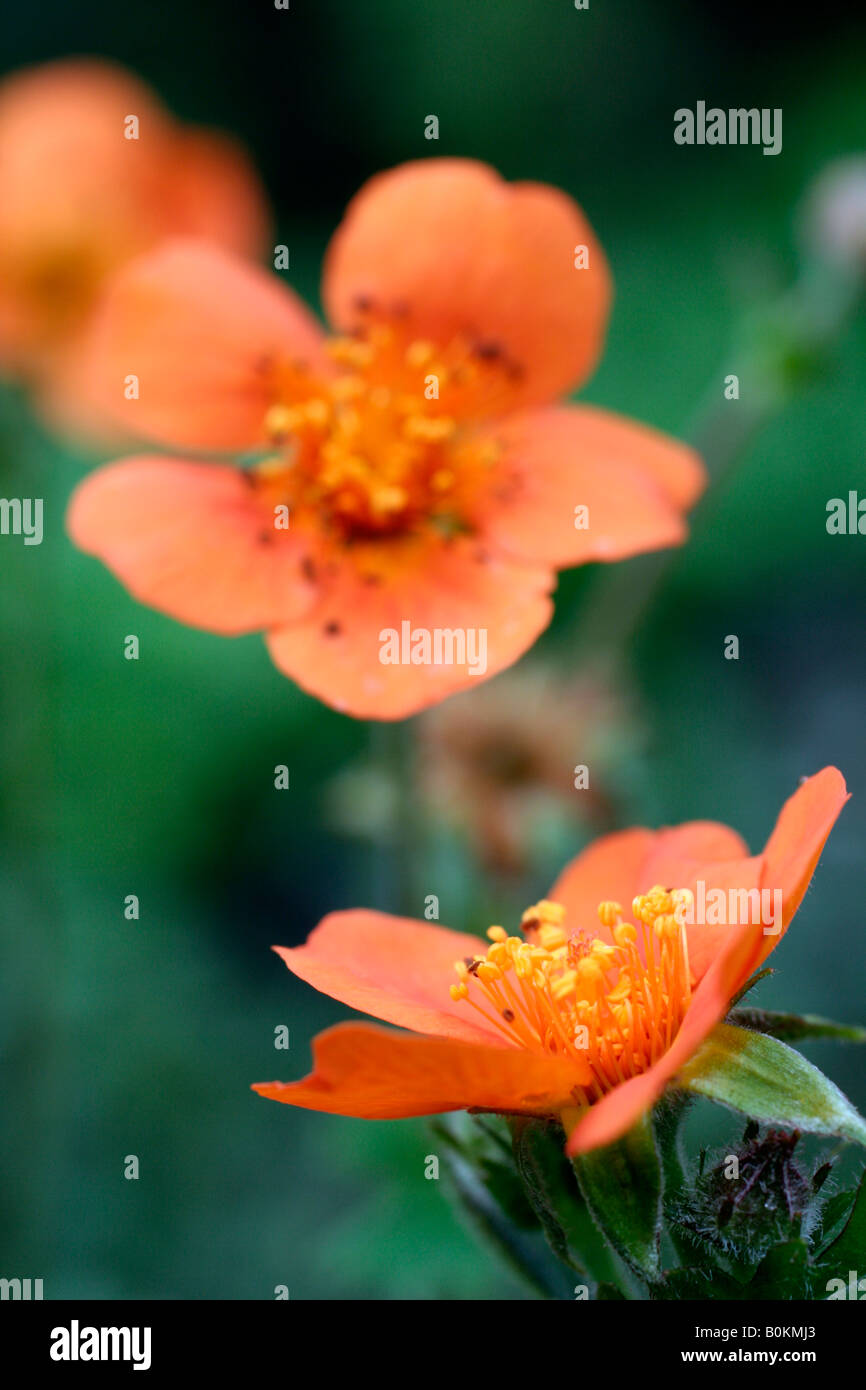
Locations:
(430, 430)
(350, 352)
(497, 933)
(601, 951)
(281, 420)
(380, 335)
(551, 937)
(590, 971)
(609, 914)
(317, 412)
(442, 480)
(543, 912)
(662, 899)
(341, 467)
(388, 499)
(666, 925)
(350, 421)
(348, 388)
(564, 986)
(458, 992)
(418, 354)
(624, 934)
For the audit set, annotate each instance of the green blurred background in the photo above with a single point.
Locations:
(156, 777)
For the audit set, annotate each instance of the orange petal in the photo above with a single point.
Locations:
(709, 854)
(206, 334)
(77, 196)
(64, 397)
(608, 870)
(677, 848)
(449, 249)
(634, 482)
(61, 136)
(795, 846)
(394, 968)
(373, 1074)
(433, 585)
(80, 199)
(618, 867)
(211, 190)
(191, 540)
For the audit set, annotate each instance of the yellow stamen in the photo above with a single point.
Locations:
(419, 353)
(373, 450)
(615, 1000)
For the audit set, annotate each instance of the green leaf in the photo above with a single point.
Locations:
(751, 982)
(668, 1116)
(552, 1191)
(794, 1027)
(834, 1218)
(784, 1273)
(489, 1154)
(527, 1258)
(537, 1166)
(691, 1284)
(848, 1250)
(843, 1260)
(622, 1186)
(764, 1078)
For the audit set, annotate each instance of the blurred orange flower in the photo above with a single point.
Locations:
(412, 477)
(93, 171)
(584, 1022)
(499, 763)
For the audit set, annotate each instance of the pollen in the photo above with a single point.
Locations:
(613, 998)
(384, 445)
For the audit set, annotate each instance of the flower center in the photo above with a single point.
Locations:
(58, 284)
(374, 450)
(615, 1002)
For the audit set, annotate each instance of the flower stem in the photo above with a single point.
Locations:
(783, 347)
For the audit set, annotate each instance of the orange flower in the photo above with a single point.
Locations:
(588, 1022)
(411, 474)
(80, 197)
